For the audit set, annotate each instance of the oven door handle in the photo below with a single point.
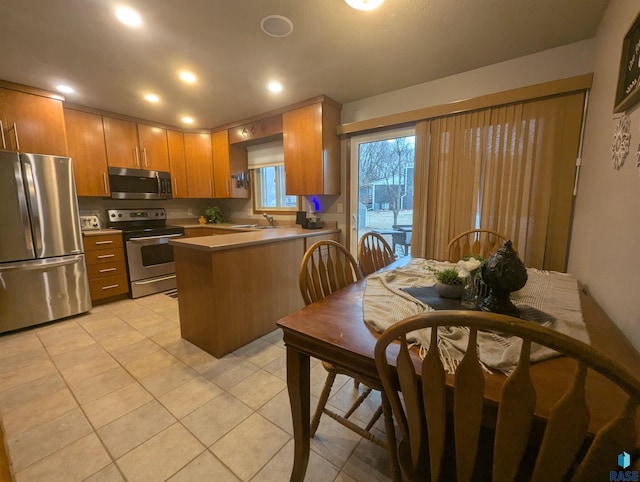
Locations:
(155, 237)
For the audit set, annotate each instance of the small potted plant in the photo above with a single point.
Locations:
(449, 283)
(214, 214)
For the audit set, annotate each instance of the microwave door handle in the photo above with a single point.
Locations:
(35, 213)
(158, 182)
(22, 206)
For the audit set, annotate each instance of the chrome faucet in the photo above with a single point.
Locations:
(269, 218)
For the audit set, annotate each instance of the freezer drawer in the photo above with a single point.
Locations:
(38, 291)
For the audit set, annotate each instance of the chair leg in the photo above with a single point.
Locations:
(391, 439)
(324, 396)
(358, 402)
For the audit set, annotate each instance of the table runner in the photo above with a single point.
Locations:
(556, 294)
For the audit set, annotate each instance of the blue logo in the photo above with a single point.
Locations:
(624, 461)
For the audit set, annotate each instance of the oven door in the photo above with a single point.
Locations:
(150, 256)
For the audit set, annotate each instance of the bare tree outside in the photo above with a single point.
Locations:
(384, 167)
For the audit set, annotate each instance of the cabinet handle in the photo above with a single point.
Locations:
(102, 256)
(106, 270)
(104, 242)
(136, 158)
(109, 287)
(15, 133)
(104, 182)
(4, 144)
(228, 187)
(211, 187)
(144, 154)
(175, 186)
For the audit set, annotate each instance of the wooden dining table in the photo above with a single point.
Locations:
(334, 330)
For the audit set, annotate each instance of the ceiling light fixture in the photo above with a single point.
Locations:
(152, 98)
(187, 120)
(276, 26)
(364, 4)
(187, 77)
(275, 87)
(65, 89)
(128, 16)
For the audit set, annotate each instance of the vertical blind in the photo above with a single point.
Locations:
(507, 168)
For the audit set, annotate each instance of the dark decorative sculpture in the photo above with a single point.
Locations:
(503, 273)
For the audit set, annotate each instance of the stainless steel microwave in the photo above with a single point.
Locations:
(139, 184)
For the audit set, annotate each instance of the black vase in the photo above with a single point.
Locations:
(503, 273)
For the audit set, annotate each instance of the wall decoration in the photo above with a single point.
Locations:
(621, 141)
(628, 90)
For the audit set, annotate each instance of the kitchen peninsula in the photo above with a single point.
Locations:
(232, 288)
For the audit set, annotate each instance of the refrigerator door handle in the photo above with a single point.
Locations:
(33, 202)
(22, 206)
(41, 263)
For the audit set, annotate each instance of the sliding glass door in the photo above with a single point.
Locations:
(382, 189)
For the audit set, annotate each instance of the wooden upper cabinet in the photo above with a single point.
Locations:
(228, 160)
(154, 151)
(312, 149)
(121, 139)
(177, 164)
(197, 151)
(259, 129)
(85, 139)
(32, 123)
(137, 146)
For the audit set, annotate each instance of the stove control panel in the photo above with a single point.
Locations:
(124, 215)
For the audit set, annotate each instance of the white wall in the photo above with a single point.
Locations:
(605, 245)
(559, 63)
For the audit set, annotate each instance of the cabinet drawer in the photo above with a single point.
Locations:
(108, 286)
(111, 268)
(103, 241)
(104, 256)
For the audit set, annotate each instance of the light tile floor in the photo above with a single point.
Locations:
(116, 395)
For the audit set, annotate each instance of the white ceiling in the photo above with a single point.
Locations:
(334, 50)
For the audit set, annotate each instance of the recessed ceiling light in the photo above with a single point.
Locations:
(65, 89)
(276, 25)
(152, 98)
(364, 4)
(128, 16)
(187, 77)
(275, 86)
(187, 120)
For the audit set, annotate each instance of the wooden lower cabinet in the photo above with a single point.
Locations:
(106, 268)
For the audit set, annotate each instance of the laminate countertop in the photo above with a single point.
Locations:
(247, 237)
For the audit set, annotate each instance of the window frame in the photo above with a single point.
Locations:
(256, 191)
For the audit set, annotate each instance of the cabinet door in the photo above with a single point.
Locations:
(227, 160)
(85, 139)
(121, 139)
(221, 164)
(33, 123)
(312, 149)
(154, 152)
(177, 164)
(302, 137)
(197, 151)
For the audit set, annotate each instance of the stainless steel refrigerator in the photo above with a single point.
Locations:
(43, 276)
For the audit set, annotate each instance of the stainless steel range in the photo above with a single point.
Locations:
(149, 255)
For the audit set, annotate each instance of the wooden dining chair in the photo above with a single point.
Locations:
(374, 253)
(436, 440)
(483, 242)
(326, 267)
